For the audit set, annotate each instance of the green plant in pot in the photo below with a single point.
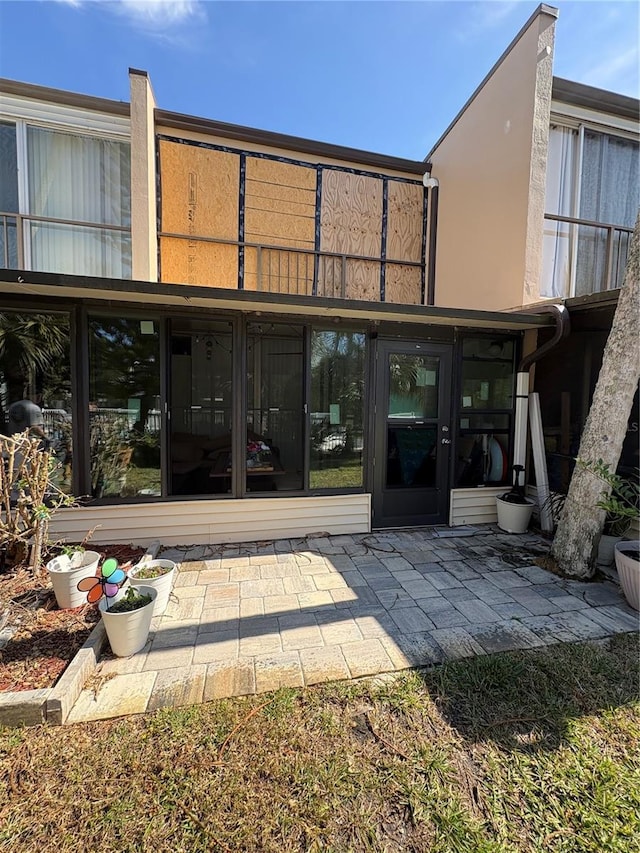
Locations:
(149, 572)
(126, 617)
(132, 600)
(621, 501)
(158, 574)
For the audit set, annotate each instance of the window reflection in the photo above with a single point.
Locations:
(124, 407)
(35, 384)
(486, 411)
(337, 395)
(413, 386)
(201, 398)
(275, 393)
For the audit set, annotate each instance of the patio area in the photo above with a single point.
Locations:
(254, 617)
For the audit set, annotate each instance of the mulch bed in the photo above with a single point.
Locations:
(44, 639)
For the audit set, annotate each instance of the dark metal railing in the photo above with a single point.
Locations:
(12, 252)
(282, 269)
(609, 251)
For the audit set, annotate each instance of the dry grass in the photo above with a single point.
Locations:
(515, 752)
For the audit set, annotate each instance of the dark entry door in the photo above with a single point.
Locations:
(412, 434)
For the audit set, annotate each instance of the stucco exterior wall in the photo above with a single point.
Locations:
(491, 166)
(144, 236)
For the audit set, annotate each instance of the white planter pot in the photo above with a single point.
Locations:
(65, 573)
(128, 632)
(512, 517)
(161, 584)
(628, 568)
(606, 548)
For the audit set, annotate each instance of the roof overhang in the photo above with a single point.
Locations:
(600, 100)
(27, 285)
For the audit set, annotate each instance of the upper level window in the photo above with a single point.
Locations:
(8, 194)
(593, 177)
(74, 202)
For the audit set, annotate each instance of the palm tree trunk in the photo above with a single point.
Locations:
(576, 540)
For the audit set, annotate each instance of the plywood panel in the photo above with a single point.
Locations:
(331, 282)
(185, 261)
(268, 227)
(200, 191)
(403, 285)
(351, 214)
(280, 271)
(363, 280)
(405, 217)
(280, 201)
(284, 174)
(215, 521)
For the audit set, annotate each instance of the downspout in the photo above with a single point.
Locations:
(562, 330)
(433, 185)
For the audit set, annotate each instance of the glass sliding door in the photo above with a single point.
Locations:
(275, 407)
(337, 408)
(200, 407)
(124, 407)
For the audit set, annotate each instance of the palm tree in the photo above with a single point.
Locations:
(30, 344)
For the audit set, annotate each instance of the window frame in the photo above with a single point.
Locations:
(23, 215)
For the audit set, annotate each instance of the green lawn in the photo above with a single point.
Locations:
(339, 473)
(535, 751)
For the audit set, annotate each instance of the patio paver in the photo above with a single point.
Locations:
(252, 617)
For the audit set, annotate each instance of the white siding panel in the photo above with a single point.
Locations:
(210, 522)
(478, 506)
(474, 506)
(62, 115)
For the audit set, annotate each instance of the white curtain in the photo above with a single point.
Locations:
(557, 239)
(610, 192)
(79, 178)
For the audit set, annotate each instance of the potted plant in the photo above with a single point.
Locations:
(613, 532)
(65, 572)
(514, 509)
(621, 500)
(126, 615)
(158, 574)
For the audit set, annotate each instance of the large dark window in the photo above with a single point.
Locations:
(35, 383)
(337, 400)
(485, 406)
(200, 407)
(124, 407)
(275, 407)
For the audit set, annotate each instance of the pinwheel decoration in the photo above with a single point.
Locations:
(106, 581)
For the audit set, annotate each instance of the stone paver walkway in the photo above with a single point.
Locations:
(250, 618)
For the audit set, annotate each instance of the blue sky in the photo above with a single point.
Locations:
(382, 76)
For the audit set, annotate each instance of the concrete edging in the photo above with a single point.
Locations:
(63, 696)
(53, 704)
